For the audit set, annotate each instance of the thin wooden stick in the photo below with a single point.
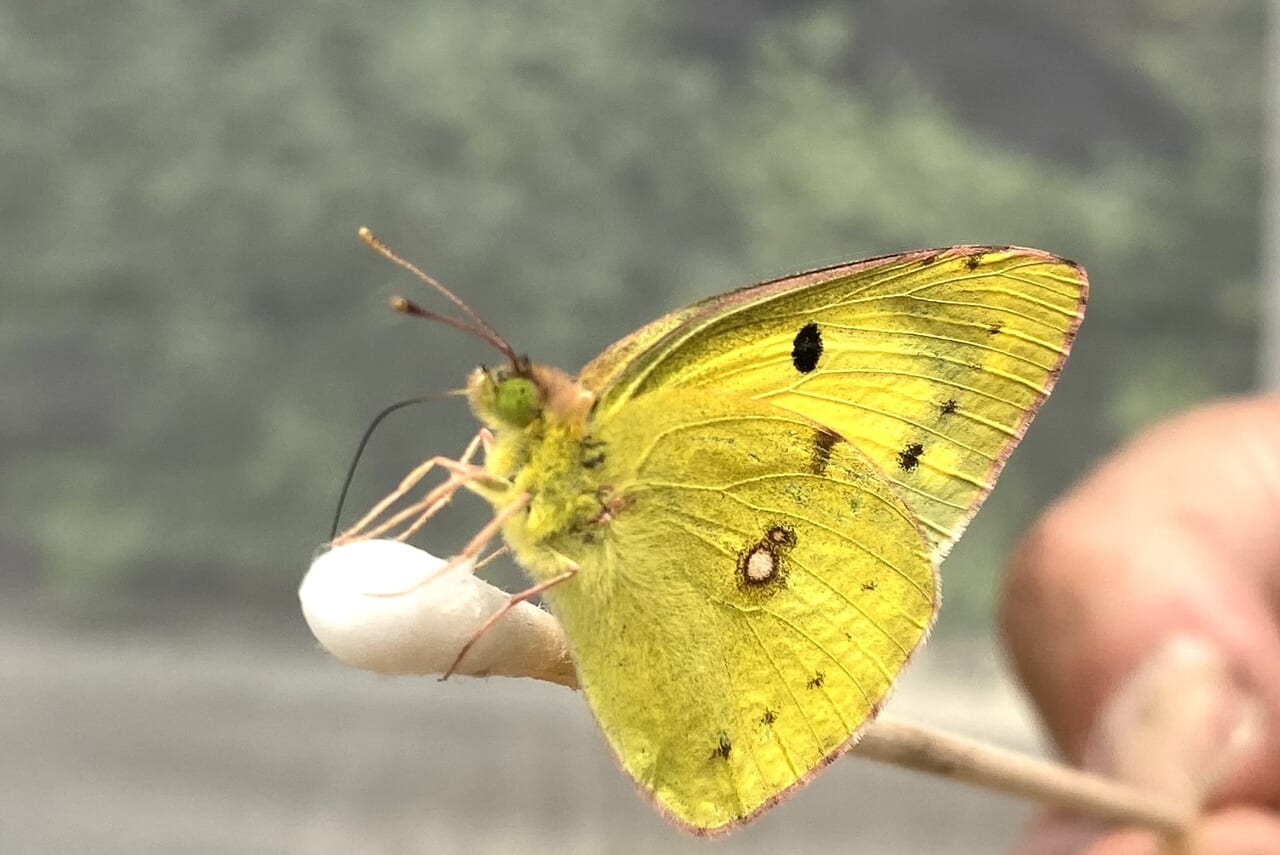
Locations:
(924, 749)
(936, 752)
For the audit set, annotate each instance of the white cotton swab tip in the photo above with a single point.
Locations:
(370, 605)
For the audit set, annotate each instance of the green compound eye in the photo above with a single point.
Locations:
(517, 401)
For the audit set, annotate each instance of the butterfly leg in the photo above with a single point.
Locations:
(493, 528)
(472, 550)
(492, 556)
(461, 471)
(570, 570)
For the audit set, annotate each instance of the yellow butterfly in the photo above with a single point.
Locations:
(738, 511)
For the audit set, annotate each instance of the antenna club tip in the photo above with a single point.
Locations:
(474, 326)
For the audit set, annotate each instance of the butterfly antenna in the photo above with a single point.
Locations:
(477, 325)
(364, 441)
(405, 306)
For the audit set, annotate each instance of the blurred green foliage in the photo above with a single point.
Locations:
(192, 339)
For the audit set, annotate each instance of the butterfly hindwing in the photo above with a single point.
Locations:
(747, 607)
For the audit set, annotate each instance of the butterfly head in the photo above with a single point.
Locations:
(516, 395)
(505, 397)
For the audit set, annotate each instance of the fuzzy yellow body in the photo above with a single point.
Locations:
(755, 492)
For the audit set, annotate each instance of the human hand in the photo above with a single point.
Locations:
(1142, 613)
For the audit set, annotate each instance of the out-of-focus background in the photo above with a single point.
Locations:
(191, 340)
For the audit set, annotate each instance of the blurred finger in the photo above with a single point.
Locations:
(1176, 539)
(1234, 832)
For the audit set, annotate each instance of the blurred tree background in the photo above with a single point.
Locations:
(192, 339)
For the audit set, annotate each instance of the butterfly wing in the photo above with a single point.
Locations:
(782, 466)
(747, 607)
(932, 362)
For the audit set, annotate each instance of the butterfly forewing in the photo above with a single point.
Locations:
(931, 362)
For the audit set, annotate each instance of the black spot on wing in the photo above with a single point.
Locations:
(909, 457)
(769, 717)
(869, 585)
(972, 261)
(592, 452)
(816, 681)
(783, 535)
(723, 747)
(820, 457)
(948, 407)
(995, 327)
(806, 349)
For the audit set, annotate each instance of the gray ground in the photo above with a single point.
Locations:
(206, 745)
